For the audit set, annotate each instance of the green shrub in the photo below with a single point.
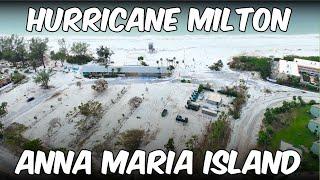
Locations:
(251, 63)
(3, 108)
(143, 63)
(200, 88)
(17, 77)
(310, 58)
(131, 139)
(33, 145)
(91, 108)
(216, 66)
(170, 145)
(79, 59)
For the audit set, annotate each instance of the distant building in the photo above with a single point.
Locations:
(311, 67)
(314, 125)
(288, 68)
(214, 99)
(123, 71)
(315, 110)
(315, 147)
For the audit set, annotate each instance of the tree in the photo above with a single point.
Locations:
(301, 101)
(263, 138)
(216, 66)
(80, 48)
(63, 52)
(54, 56)
(3, 108)
(104, 54)
(170, 145)
(43, 77)
(7, 48)
(294, 98)
(131, 139)
(200, 88)
(38, 48)
(20, 51)
(140, 58)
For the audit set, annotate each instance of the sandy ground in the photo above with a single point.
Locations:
(47, 116)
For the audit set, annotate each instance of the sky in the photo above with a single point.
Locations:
(304, 18)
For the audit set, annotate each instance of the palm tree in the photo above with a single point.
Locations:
(157, 63)
(161, 61)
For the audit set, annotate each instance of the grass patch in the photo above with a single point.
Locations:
(297, 132)
(252, 63)
(310, 58)
(290, 124)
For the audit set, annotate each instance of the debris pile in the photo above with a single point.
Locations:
(135, 102)
(100, 85)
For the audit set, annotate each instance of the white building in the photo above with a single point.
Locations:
(214, 99)
(288, 68)
(311, 67)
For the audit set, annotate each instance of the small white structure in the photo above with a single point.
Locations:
(314, 125)
(288, 68)
(214, 99)
(208, 111)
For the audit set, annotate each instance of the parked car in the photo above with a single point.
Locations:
(164, 112)
(30, 99)
(180, 119)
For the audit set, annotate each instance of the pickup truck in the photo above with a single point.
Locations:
(179, 118)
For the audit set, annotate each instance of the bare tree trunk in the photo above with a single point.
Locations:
(42, 59)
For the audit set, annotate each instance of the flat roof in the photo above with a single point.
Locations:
(214, 97)
(124, 69)
(307, 63)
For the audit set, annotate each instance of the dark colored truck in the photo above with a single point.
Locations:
(192, 105)
(180, 119)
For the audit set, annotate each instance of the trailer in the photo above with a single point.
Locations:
(209, 112)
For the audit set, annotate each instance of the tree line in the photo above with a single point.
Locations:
(32, 52)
